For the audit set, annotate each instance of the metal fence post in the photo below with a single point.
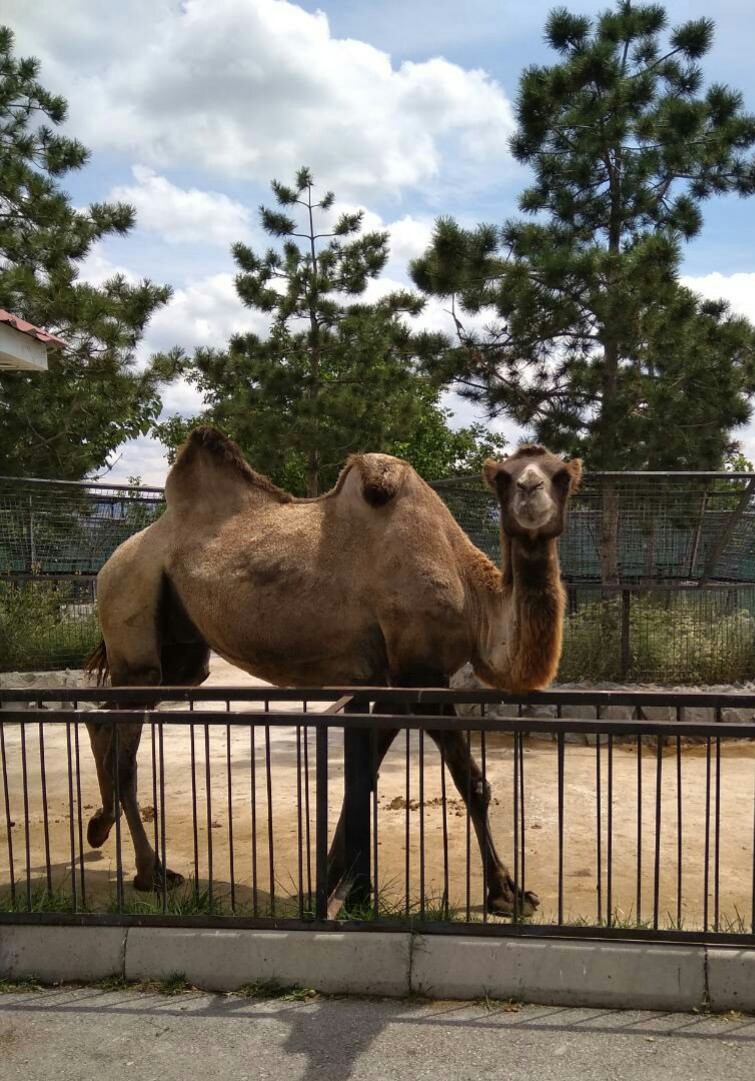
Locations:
(321, 822)
(357, 788)
(625, 658)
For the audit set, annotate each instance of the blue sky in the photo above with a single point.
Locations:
(401, 106)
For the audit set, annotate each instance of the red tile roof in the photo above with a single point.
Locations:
(28, 328)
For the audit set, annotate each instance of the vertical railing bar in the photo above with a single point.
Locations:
(9, 828)
(299, 823)
(307, 816)
(679, 845)
(208, 806)
(422, 823)
(561, 748)
(717, 833)
(229, 776)
(407, 828)
(485, 831)
(375, 872)
(658, 826)
(155, 805)
(27, 835)
(117, 792)
(639, 829)
(469, 826)
(516, 913)
(609, 840)
(270, 830)
(45, 813)
(253, 798)
(321, 821)
(706, 870)
(444, 810)
(599, 821)
(194, 814)
(523, 855)
(71, 824)
(79, 812)
(163, 826)
(752, 914)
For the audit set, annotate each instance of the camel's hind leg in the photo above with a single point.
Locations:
(160, 647)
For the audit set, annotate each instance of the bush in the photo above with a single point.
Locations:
(673, 638)
(34, 634)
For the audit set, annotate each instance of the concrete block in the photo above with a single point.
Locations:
(731, 979)
(737, 716)
(593, 974)
(219, 960)
(58, 954)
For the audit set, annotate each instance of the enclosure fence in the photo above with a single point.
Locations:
(659, 569)
(640, 826)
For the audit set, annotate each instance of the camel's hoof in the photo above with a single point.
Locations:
(153, 883)
(99, 829)
(504, 905)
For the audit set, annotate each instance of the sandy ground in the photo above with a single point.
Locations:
(287, 876)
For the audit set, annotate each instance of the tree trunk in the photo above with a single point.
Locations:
(609, 534)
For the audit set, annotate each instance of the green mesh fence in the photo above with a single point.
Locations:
(681, 608)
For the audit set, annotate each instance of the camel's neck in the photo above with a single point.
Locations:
(525, 625)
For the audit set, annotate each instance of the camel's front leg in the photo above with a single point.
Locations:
(337, 854)
(149, 870)
(503, 892)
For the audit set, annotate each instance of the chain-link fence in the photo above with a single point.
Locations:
(660, 570)
(54, 537)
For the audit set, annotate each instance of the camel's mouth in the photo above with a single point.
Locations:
(535, 511)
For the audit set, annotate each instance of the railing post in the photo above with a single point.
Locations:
(321, 822)
(357, 788)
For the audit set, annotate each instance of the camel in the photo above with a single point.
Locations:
(372, 584)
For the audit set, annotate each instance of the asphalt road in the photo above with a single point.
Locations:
(81, 1034)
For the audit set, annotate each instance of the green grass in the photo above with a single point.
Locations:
(499, 1005)
(272, 989)
(681, 639)
(35, 635)
(23, 985)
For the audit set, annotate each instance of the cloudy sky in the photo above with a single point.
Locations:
(401, 106)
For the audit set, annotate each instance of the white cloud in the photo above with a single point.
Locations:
(183, 215)
(255, 88)
(203, 313)
(96, 268)
(737, 289)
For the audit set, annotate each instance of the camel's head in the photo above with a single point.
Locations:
(533, 487)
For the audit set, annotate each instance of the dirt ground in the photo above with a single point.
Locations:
(288, 877)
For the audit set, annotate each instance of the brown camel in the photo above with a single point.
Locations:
(372, 584)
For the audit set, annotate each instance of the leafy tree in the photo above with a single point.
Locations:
(64, 422)
(434, 448)
(594, 344)
(334, 375)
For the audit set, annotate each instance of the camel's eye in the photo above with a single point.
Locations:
(562, 479)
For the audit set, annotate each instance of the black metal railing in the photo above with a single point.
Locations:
(628, 826)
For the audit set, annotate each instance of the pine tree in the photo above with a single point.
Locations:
(66, 421)
(433, 447)
(335, 374)
(594, 345)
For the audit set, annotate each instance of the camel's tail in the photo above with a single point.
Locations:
(97, 663)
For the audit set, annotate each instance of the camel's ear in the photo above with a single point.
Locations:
(567, 478)
(494, 475)
(575, 468)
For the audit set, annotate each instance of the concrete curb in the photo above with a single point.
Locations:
(60, 954)
(627, 975)
(332, 962)
(616, 975)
